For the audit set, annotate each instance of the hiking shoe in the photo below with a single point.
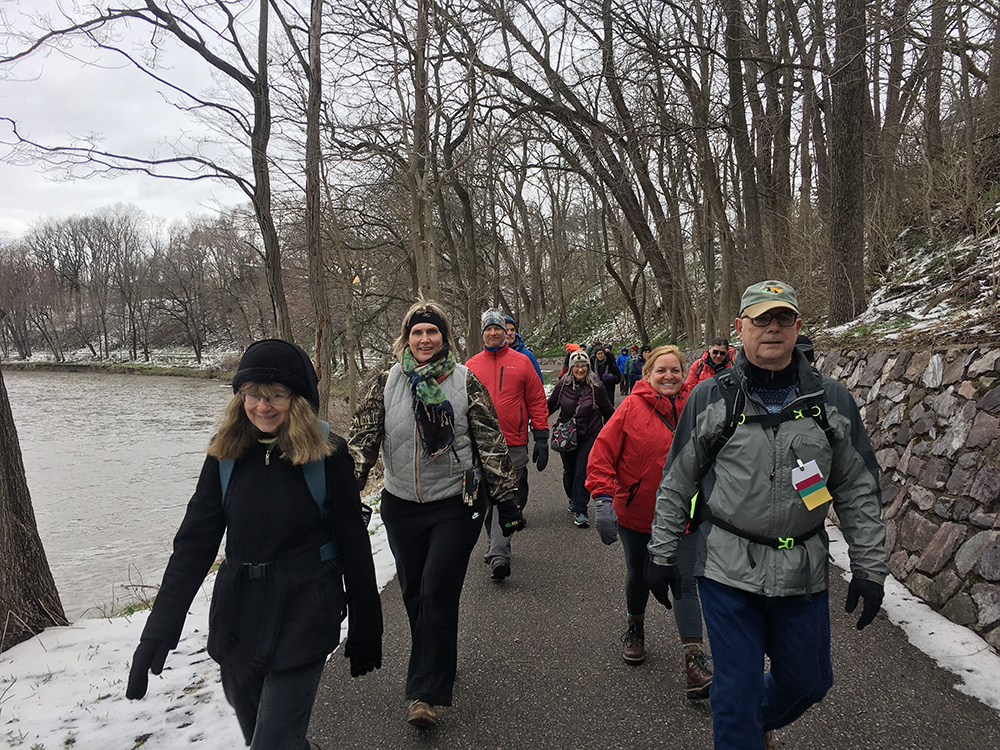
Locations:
(697, 673)
(580, 519)
(500, 569)
(634, 652)
(421, 715)
(569, 507)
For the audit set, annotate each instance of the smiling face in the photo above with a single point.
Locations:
(494, 337)
(425, 340)
(666, 375)
(769, 347)
(579, 372)
(268, 413)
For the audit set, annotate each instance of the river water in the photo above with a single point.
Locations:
(111, 462)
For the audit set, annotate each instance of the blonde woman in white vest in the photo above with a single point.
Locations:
(444, 459)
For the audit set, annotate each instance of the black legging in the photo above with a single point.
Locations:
(575, 474)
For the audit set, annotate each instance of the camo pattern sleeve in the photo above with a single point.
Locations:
(498, 471)
(364, 439)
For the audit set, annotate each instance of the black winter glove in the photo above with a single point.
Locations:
(540, 456)
(871, 592)
(662, 580)
(509, 516)
(365, 653)
(149, 656)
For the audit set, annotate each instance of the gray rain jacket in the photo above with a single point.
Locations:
(750, 487)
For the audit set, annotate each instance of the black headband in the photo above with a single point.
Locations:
(427, 316)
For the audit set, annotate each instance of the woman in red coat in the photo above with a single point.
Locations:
(623, 474)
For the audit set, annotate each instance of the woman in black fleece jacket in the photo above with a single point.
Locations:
(279, 597)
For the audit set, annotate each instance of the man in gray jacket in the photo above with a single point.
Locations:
(796, 443)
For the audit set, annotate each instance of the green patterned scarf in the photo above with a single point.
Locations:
(434, 413)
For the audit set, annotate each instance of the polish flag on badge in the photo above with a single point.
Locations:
(808, 480)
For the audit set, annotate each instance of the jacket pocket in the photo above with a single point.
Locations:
(632, 492)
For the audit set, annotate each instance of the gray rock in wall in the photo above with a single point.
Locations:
(961, 610)
(984, 486)
(916, 532)
(970, 552)
(987, 599)
(985, 364)
(916, 366)
(955, 368)
(934, 372)
(991, 401)
(985, 429)
(941, 548)
(989, 562)
(944, 587)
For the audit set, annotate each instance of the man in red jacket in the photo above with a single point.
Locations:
(518, 398)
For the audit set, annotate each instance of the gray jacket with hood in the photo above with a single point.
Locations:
(749, 486)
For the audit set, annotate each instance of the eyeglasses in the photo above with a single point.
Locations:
(719, 353)
(785, 319)
(278, 399)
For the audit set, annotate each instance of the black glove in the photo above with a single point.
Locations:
(509, 516)
(871, 592)
(149, 656)
(540, 456)
(365, 653)
(662, 580)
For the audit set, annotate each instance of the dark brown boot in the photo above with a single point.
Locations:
(698, 675)
(634, 639)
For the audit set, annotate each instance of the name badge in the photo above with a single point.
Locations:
(808, 480)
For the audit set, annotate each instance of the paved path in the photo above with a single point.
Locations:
(540, 667)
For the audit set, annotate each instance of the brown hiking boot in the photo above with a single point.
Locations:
(634, 639)
(421, 715)
(698, 675)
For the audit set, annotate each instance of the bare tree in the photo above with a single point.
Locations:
(29, 602)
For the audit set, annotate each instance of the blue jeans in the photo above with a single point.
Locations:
(743, 627)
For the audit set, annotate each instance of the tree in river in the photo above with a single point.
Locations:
(29, 602)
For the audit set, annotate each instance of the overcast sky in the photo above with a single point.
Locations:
(55, 98)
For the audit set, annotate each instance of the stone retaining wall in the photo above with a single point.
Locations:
(932, 418)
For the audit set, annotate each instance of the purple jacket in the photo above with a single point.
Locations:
(594, 407)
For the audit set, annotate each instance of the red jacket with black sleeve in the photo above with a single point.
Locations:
(516, 391)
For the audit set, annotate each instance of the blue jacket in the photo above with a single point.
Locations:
(520, 346)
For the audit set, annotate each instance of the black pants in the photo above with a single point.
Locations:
(575, 474)
(431, 543)
(273, 708)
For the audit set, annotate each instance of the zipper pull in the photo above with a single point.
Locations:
(267, 456)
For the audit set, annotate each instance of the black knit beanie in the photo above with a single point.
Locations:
(278, 361)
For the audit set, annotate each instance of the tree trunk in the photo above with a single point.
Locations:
(845, 269)
(29, 602)
(317, 268)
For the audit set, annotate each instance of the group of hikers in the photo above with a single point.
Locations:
(717, 478)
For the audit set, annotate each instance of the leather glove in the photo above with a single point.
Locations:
(871, 592)
(149, 656)
(509, 516)
(540, 455)
(365, 654)
(662, 580)
(606, 519)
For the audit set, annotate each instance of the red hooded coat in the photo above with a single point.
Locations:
(626, 462)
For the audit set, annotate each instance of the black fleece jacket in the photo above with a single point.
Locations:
(292, 615)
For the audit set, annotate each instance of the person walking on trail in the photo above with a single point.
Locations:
(439, 437)
(606, 371)
(623, 473)
(635, 369)
(580, 397)
(515, 342)
(772, 445)
(519, 399)
(626, 370)
(717, 357)
(279, 596)
(621, 361)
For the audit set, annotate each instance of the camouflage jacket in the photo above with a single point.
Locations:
(367, 435)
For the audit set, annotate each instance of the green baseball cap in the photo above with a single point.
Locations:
(767, 295)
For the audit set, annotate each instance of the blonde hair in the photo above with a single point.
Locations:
(659, 352)
(300, 437)
(403, 340)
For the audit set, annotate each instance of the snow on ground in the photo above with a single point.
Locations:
(66, 687)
